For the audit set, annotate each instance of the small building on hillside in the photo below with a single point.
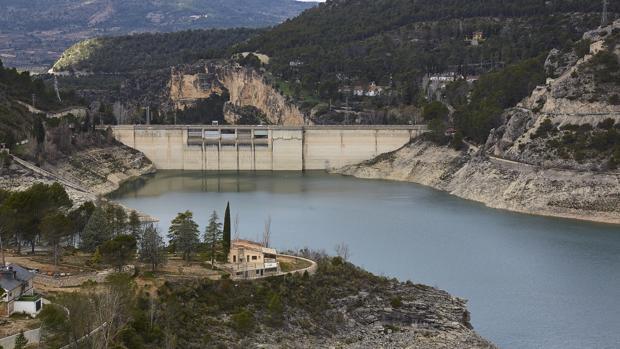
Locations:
(17, 292)
(476, 39)
(249, 260)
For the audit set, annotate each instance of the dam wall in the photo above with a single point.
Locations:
(269, 148)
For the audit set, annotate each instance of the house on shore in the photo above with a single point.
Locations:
(17, 293)
(250, 260)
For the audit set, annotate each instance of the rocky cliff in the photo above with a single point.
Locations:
(245, 87)
(85, 174)
(555, 154)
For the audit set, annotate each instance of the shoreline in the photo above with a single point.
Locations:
(573, 217)
(342, 172)
(554, 193)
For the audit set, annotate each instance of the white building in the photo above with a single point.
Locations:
(17, 292)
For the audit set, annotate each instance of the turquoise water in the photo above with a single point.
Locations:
(531, 282)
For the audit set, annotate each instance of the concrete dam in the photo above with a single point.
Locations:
(270, 148)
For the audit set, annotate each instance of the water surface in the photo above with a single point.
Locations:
(532, 282)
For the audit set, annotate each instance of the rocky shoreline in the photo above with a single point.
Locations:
(528, 163)
(499, 183)
(92, 173)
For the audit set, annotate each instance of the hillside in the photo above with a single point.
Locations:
(556, 152)
(394, 43)
(353, 61)
(34, 33)
(150, 51)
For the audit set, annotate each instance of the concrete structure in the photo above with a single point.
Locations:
(273, 148)
(17, 292)
(249, 260)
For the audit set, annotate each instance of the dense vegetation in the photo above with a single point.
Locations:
(207, 313)
(150, 51)
(16, 122)
(394, 43)
(495, 92)
(600, 142)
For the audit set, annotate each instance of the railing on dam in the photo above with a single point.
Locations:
(240, 147)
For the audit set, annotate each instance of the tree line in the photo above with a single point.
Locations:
(44, 216)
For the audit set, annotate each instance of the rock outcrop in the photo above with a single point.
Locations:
(91, 172)
(551, 156)
(245, 87)
(340, 306)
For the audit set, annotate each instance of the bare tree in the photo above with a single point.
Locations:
(342, 251)
(236, 234)
(267, 232)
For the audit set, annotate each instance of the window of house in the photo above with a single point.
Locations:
(248, 258)
(257, 272)
(234, 259)
(254, 258)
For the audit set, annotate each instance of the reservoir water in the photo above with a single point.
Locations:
(531, 282)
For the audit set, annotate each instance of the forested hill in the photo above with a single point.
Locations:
(150, 51)
(395, 41)
(36, 32)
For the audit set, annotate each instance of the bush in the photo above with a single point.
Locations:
(545, 127)
(396, 302)
(243, 321)
(606, 124)
(582, 47)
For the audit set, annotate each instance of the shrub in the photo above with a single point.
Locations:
(243, 321)
(582, 47)
(396, 302)
(545, 127)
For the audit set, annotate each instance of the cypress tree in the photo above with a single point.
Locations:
(226, 231)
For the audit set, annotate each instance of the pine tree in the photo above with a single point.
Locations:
(183, 234)
(213, 235)
(226, 231)
(134, 225)
(97, 231)
(20, 341)
(152, 248)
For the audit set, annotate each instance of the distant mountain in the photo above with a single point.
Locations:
(34, 33)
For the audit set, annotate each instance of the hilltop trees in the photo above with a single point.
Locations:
(23, 211)
(213, 236)
(134, 226)
(183, 234)
(152, 247)
(96, 231)
(119, 251)
(56, 227)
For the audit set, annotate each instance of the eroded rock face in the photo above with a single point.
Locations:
(245, 86)
(525, 166)
(500, 183)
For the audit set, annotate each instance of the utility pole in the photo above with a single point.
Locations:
(605, 15)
